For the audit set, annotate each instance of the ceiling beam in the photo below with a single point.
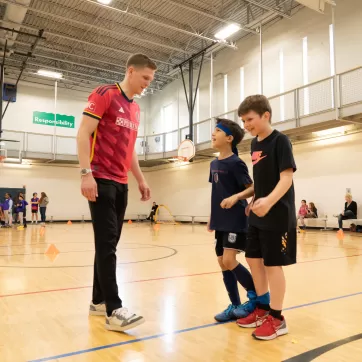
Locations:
(269, 8)
(129, 13)
(158, 74)
(85, 42)
(91, 26)
(208, 15)
(44, 66)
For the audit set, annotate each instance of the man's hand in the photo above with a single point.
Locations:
(145, 191)
(229, 202)
(89, 187)
(261, 206)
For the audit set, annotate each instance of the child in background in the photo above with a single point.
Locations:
(34, 208)
(8, 209)
(229, 175)
(302, 213)
(21, 209)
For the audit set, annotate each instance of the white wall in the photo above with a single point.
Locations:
(286, 35)
(325, 169)
(62, 185)
(33, 97)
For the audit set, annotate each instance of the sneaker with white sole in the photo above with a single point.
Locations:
(121, 320)
(97, 309)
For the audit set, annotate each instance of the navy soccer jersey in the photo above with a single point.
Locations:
(228, 177)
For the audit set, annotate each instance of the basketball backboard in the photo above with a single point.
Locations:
(10, 150)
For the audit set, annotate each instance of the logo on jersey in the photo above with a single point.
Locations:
(257, 156)
(91, 106)
(232, 238)
(123, 122)
(216, 177)
(121, 110)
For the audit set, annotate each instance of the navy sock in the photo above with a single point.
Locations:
(231, 286)
(244, 277)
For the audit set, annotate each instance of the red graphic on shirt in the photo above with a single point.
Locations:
(257, 156)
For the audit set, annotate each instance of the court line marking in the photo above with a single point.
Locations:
(179, 331)
(156, 279)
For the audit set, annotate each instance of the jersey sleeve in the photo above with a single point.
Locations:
(285, 154)
(241, 174)
(97, 104)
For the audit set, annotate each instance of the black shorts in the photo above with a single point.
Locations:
(275, 247)
(226, 240)
(34, 211)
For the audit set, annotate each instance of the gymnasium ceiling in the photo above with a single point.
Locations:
(89, 43)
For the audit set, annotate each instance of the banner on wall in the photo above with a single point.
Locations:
(47, 119)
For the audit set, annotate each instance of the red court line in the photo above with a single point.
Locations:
(90, 286)
(156, 279)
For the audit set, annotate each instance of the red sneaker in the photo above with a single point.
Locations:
(271, 328)
(253, 320)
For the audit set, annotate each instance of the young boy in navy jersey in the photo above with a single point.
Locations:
(229, 175)
(272, 223)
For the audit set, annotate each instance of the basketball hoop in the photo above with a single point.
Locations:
(186, 151)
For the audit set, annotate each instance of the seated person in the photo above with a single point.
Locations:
(350, 211)
(303, 211)
(153, 211)
(312, 211)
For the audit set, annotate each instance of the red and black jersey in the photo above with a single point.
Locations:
(112, 143)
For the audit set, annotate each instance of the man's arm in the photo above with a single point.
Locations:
(138, 174)
(87, 127)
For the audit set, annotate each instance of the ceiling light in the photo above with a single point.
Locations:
(105, 2)
(329, 132)
(227, 31)
(50, 74)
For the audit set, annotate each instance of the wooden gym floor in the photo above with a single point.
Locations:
(170, 276)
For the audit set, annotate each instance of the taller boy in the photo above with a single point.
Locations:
(272, 223)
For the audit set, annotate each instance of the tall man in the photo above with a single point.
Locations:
(106, 150)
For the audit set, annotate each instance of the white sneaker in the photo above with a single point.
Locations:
(97, 309)
(121, 320)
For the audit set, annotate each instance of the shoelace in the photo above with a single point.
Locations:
(269, 320)
(229, 309)
(123, 312)
(248, 305)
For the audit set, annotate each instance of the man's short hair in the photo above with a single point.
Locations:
(257, 103)
(236, 131)
(141, 61)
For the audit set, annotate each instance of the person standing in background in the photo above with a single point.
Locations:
(8, 209)
(21, 209)
(43, 203)
(34, 208)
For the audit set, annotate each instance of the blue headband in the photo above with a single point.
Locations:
(228, 133)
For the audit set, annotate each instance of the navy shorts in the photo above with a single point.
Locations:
(226, 240)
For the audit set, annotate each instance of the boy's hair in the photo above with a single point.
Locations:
(21, 197)
(141, 61)
(257, 103)
(304, 201)
(35, 193)
(236, 131)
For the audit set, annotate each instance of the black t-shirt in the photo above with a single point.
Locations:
(351, 207)
(270, 157)
(154, 208)
(228, 177)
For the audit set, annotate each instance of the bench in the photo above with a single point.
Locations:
(317, 222)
